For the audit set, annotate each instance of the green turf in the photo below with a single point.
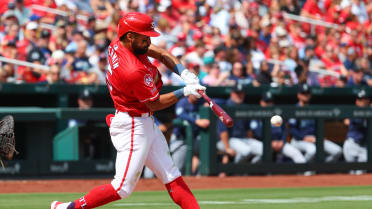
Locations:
(333, 198)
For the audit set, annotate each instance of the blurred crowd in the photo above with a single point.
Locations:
(225, 42)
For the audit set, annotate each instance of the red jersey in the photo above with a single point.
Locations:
(131, 79)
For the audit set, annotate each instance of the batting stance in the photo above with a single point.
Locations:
(134, 85)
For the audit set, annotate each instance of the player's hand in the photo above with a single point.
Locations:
(189, 78)
(230, 152)
(193, 90)
(310, 138)
(202, 123)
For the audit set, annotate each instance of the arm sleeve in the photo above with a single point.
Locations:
(295, 132)
(284, 133)
(221, 127)
(144, 86)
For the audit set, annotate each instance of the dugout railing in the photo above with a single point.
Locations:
(64, 95)
(37, 127)
(209, 164)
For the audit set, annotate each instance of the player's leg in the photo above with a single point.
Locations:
(333, 150)
(293, 153)
(362, 156)
(256, 147)
(130, 137)
(241, 148)
(350, 150)
(307, 147)
(178, 150)
(161, 163)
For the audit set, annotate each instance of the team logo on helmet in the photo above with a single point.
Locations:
(149, 81)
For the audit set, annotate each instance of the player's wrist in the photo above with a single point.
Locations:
(179, 68)
(179, 93)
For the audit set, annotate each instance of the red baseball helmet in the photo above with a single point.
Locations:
(137, 22)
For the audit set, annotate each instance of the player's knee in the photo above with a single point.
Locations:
(311, 150)
(122, 191)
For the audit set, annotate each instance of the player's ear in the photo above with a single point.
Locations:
(130, 36)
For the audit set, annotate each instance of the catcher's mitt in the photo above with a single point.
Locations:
(7, 141)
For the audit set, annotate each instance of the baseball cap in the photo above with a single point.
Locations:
(32, 25)
(304, 89)
(362, 94)
(280, 31)
(86, 94)
(267, 96)
(9, 14)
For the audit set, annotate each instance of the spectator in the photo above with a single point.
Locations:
(355, 145)
(101, 69)
(278, 135)
(357, 78)
(264, 75)
(7, 73)
(53, 75)
(34, 74)
(88, 137)
(290, 6)
(43, 42)
(238, 75)
(31, 33)
(235, 141)
(82, 70)
(58, 40)
(214, 77)
(23, 12)
(303, 132)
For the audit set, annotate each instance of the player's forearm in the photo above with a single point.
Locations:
(164, 101)
(164, 57)
(225, 139)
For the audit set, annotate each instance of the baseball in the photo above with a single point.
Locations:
(276, 120)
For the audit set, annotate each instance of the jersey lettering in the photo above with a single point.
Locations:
(114, 58)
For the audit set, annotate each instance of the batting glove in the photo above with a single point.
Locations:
(189, 78)
(193, 90)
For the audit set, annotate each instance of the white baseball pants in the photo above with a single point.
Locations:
(138, 142)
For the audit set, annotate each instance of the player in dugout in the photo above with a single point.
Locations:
(134, 85)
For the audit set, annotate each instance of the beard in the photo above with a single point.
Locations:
(138, 50)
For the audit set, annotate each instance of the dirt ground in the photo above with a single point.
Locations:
(79, 185)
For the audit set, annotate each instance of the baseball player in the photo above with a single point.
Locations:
(234, 141)
(354, 148)
(303, 132)
(134, 84)
(278, 134)
(187, 109)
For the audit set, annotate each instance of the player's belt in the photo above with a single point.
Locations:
(132, 114)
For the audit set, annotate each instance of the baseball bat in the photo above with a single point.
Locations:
(218, 111)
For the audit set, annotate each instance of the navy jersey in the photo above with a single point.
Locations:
(277, 132)
(357, 130)
(189, 112)
(240, 128)
(299, 128)
(81, 64)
